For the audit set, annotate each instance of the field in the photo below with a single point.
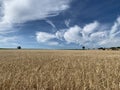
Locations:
(59, 70)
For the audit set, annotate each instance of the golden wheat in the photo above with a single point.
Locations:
(59, 70)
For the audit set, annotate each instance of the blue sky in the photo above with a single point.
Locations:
(59, 24)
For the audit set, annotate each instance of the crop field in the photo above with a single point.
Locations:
(59, 70)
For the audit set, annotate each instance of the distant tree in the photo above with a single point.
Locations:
(118, 47)
(19, 47)
(83, 47)
(114, 48)
(101, 48)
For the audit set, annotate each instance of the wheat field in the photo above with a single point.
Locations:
(59, 70)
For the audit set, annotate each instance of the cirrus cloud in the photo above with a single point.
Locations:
(20, 11)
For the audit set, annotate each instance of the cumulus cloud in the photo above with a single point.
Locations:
(73, 35)
(92, 34)
(46, 38)
(60, 34)
(43, 36)
(89, 28)
(79, 35)
(49, 38)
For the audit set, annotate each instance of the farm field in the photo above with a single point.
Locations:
(59, 70)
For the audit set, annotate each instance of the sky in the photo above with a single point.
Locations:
(59, 24)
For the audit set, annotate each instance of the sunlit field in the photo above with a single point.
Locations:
(59, 70)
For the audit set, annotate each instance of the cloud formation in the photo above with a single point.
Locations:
(73, 35)
(44, 37)
(20, 11)
(91, 35)
(24, 10)
(14, 12)
(47, 38)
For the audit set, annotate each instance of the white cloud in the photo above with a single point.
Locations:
(110, 42)
(44, 37)
(20, 11)
(94, 34)
(5, 28)
(97, 36)
(89, 28)
(73, 35)
(60, 34)
(91, 35)
(51, 23)
(67, 23)
(79, 35)
(115, 28)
